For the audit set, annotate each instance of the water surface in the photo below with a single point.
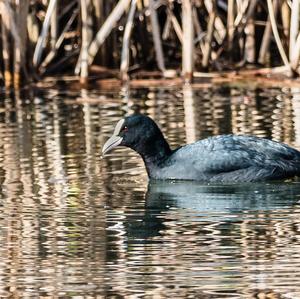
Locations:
(73, 225)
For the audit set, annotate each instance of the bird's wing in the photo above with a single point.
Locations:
(228, 153)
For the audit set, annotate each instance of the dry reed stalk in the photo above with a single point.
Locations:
(209, 36)
(285, 17)
(97, 4)
(241, 11)
(58, 43)
(188, 41)
(197, 25)
(17, 24)
(267, 36)
(8, 21)
(167, 27)
(230, 24)
(177, 27)
(32, 30)
(54, 27)
(276, 35)
(7, 74)
(249, 50)
(249, 13)
(126, 42)
(175, 23)
(220, 32)
(42, 38)
(198, 30)
(86, 39)
(294, 33)
(296, 54)
(106, 28)
(156, 37)
(20, 47)
(294, 26)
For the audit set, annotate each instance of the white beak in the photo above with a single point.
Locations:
(114, 140)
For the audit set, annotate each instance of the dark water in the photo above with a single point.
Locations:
(73, 225)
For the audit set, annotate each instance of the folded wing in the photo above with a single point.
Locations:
(241, 158)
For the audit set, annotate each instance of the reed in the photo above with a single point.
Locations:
(45, 37)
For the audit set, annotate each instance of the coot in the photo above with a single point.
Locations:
(224, 158)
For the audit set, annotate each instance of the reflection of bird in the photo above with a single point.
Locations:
(221, 197)
(210, 203)
(225, 158)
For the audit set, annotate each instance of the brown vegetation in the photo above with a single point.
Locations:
(175, 37)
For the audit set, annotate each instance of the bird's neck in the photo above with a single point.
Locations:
(154, 153)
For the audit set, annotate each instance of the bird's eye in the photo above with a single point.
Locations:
(125, 129)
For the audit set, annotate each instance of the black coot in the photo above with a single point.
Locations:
(225, 158)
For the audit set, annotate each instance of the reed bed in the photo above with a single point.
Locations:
(175, 38)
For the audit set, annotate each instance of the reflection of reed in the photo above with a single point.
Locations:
(36, 219)
(296, 109)
(68, 218)
(271, 117)
(283, 121)
(189, 113)
(250, 114)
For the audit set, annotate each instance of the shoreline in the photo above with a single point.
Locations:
(108, 79)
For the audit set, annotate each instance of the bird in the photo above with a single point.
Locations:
(217, 159)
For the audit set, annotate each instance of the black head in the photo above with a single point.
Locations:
(138, 132)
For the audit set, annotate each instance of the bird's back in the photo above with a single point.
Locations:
(232, 158)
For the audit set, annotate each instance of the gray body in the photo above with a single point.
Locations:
(229, 158)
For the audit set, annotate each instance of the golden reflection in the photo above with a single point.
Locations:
(75, 225)
(296, 111)
(189, 113)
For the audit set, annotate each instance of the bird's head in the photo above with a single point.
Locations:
(138, 132)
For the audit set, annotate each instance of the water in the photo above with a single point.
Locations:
(73, 225)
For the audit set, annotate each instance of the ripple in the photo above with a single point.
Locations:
(74, 225)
